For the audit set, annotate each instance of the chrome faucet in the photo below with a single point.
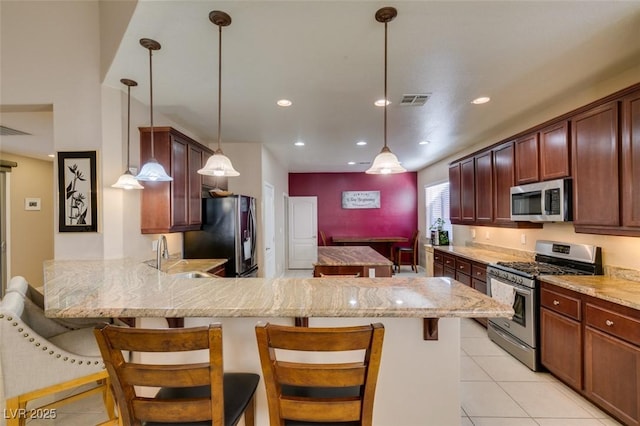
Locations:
(162, 251)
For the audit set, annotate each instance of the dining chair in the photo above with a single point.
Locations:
(304, 393)
(191, 393)
(45, 364)
(411, 250)
(323, 238)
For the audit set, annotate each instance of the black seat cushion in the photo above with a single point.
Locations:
(238, 391)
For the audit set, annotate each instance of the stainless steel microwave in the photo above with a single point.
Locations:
(549, 201)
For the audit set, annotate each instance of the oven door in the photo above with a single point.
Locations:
(523, 325)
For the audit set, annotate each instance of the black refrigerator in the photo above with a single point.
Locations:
(228, 232)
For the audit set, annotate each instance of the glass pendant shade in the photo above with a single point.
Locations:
(127, 181)
(218, 165)
(385, 163)
(153, 171)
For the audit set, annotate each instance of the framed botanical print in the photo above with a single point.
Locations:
(77, 205)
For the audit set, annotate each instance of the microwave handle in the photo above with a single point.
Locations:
(546, 208)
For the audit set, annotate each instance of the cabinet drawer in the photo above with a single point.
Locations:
(613, 323)
(463, 266)
(449, 261)
(479, 272)
(561, 303)
(437, 257)
(463, 278)
(479, 285)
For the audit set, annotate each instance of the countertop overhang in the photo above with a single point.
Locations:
(127, 288)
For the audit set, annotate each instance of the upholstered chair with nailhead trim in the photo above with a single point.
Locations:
(41, 359)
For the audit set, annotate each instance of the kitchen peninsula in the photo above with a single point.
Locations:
(418, 381)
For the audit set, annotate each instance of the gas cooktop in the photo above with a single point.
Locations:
(542, 268)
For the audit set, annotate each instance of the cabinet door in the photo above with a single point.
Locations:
(179, 173)
(527, 159)
(503, 180)
(484, 187)
(195, 186)
(612, 375)
(454, 193)
(595, 149)
(631, 160)
(467, 191)
(554, 151)
(156, 196)
(560, 347)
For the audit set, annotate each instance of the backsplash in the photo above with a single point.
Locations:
(526, 255)
(623, 273)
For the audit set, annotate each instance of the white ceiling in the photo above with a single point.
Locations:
(327, 57)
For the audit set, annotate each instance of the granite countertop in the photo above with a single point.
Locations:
(350, 255)
(616, 290)
(126, 288)
(485, 255)
(177, 265)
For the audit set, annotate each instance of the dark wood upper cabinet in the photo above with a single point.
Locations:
(554, 151)
(503, 180)
(631, 160)
(172, 206)
(595, 148)
(455, 214)
(467, 190)
(484, 187)
(527, 170)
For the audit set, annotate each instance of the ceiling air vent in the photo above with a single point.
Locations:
(415, 99)
(8, 131)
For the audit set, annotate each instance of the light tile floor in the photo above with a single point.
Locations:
(496, 389)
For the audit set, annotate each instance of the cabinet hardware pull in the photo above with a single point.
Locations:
(609, 323)
(556, 302)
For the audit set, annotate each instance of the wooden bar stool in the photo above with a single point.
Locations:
(190, 394)
(300, 393)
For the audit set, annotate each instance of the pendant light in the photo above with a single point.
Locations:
(386, 162)
(219, 164)
(126, 180)
(152, 170)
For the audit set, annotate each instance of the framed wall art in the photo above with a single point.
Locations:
(360, 199)
(77, 205)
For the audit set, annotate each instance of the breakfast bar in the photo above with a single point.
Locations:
(418, 380)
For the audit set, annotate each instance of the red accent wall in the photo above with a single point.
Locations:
(397, 215)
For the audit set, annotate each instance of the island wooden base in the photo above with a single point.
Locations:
(419, 381)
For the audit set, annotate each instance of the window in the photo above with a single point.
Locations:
(437, 200)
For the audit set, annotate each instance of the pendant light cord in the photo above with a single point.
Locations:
(128, 125)
(219, 81)
(386, 101)
(151, 98)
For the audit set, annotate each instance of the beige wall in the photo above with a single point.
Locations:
(30, 232)
(617, 251)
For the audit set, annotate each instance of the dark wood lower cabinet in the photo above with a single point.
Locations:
(612, 375)
(593, 345)
(561, 343)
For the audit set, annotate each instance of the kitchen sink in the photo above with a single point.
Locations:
(192, 274)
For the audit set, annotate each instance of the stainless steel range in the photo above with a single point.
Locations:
(516, 283)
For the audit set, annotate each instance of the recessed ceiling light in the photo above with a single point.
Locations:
(351, 163)
(423, 143)
(51, 155)
(299, 143)
(381, 102)
(361, 143)
(284, 102)
(481, 100)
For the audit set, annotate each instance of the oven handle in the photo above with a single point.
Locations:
(519, 288)
(509, 339)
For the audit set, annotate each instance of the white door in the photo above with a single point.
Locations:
(269, 231)
(303, 232)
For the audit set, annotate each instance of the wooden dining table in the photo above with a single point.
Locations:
(382, 245)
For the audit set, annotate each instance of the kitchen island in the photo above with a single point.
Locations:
(418, 381)
(361, 260)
